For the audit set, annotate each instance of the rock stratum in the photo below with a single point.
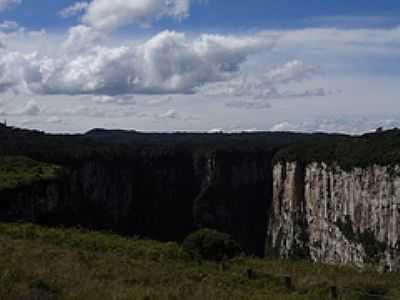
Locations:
(326, 198)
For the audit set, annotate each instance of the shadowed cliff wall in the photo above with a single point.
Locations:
(163, 197)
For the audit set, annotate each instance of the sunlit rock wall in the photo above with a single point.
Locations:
(331, 215)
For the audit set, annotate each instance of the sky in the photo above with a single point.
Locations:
(200, 65)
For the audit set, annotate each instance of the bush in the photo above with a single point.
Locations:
(210, 244)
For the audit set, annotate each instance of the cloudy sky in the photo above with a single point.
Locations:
(200, 65)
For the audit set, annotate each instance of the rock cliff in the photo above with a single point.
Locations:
(331, 215)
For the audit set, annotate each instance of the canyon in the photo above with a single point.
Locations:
(277, 201)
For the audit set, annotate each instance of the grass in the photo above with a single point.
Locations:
(43, 263)
(17, 170)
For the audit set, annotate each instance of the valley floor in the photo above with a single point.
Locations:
(42, 263)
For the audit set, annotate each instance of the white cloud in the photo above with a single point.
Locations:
(249, 104)
(8, 26)
(13, 66)
(254, 90)
(4, 4)
(233, 70)
(109, 15)
(175, 115)
(292, 71)
(54, 120)
(158, 101)
(273, 93)
(169, 63)
(96, 112)
(350, 124)
(351, 41)
(284, 126)
(74, 9)
(216, 130)
(352, 21)
(120, 100)
(14, 37)
(81, 38)
(31, 108)
(170, 114)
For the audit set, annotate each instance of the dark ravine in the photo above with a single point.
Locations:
(164, 198)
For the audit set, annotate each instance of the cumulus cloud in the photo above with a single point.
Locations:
(169, 63)
(81, 38)
(109, 15)
(74, 9)
(13, 66)
(4, 4)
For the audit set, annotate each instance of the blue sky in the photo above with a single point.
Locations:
(305, 65)
(243, 14)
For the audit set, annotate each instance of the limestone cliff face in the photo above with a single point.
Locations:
(336, 216)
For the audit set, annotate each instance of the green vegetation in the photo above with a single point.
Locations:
(381, 148)
(18, 170)
(42, 263)
(210, 244)
(373, 248)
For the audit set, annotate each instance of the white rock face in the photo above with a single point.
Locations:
(335, 216)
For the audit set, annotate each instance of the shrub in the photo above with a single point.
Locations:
(210, 244)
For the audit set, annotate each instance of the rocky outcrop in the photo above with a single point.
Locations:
(338, 216)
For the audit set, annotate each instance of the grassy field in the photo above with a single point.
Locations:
(41, 263)
(17, 170)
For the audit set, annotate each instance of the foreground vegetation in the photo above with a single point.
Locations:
(42, 263)
(18, 170)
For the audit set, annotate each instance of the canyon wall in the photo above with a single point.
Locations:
(331, 215)
(163, 196)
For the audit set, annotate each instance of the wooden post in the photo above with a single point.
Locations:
(334, 292)
(288, 282)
